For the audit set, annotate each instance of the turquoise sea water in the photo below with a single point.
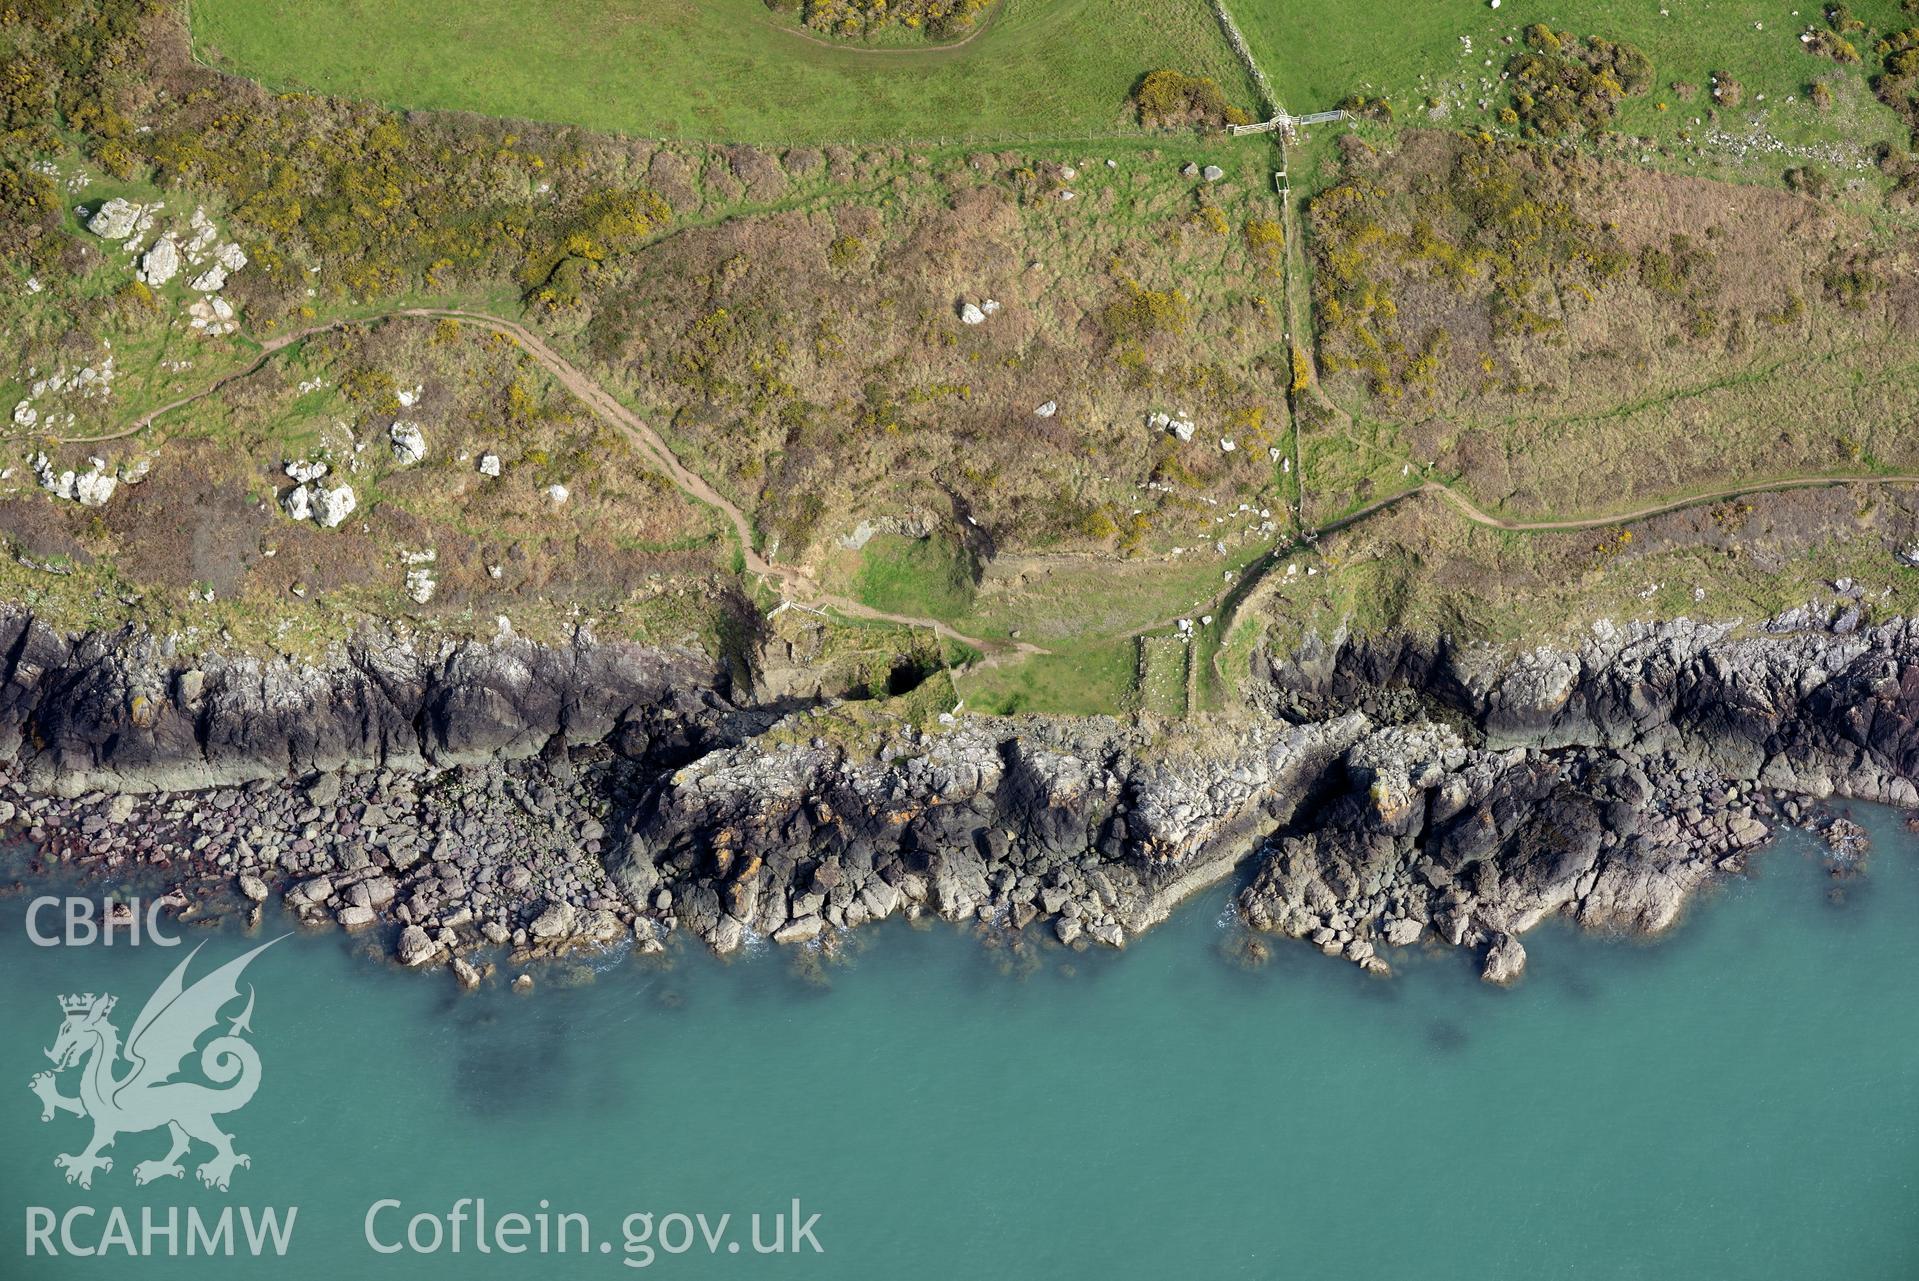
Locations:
(1738, 1100)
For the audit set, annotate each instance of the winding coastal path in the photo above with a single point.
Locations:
(793, 580)
(1479, 516)
(799, 588)
(794, 583)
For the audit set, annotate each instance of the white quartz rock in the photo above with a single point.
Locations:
(409, 442)
(334, 505)
(160, 263)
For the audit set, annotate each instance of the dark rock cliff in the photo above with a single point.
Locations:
(118, 711)
(1385, 791)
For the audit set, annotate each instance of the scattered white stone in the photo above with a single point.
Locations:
(212, 317)
(409, 442)
(310, 500)
(136, 471)
(1212, 173)
(558, 493)
(990, 307)
(25, 415)
(210, 281)
(204, 234)
(335, 505)
(95, 487)
(1180, 425)
(972, 315)
(304, 471)
(420, 584)
(33, 285)
(160, 263)
(231, 256)
(116, 220)
(408, 399)
(90, 489)
(1227, 446)
(489, 464)
(1048, 409)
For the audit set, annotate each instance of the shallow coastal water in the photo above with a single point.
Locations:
(1738, 1100)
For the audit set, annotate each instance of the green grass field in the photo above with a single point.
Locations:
(1318, 53)
(920, 577)
(1086, 678)
(719, 69)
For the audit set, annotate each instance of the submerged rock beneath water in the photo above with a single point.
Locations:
(1847, 847)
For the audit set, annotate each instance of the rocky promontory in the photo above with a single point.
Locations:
(1381, 794)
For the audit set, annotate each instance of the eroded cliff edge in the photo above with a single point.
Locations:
(1381, 793)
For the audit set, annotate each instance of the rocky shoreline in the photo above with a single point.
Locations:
(465, 799)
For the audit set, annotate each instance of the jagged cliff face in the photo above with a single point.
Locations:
(1606, 783)
(1080, 824)
(1809, 711)
(1392, 791)
(118, 711)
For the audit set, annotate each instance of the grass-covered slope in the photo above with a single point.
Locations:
(1444, 63)
(1019, 424)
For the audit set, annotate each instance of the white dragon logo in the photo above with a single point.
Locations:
(145, 1097)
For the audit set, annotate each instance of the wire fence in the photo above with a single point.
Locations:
(989, 140)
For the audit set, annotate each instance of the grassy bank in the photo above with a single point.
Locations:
(719, 69)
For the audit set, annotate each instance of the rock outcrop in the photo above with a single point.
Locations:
(1606, 782)
(118, 712)
(1393, 792)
